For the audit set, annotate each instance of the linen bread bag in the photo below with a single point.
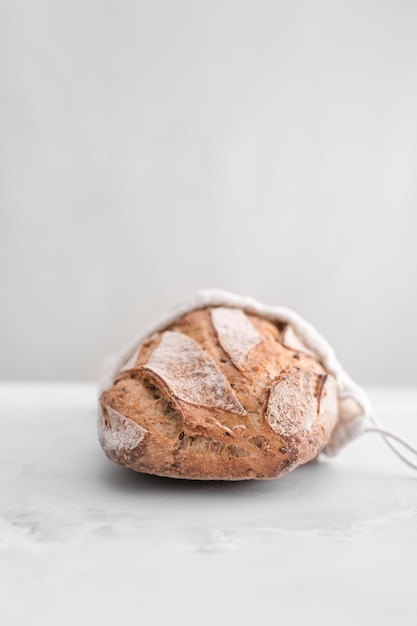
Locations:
(227, 388)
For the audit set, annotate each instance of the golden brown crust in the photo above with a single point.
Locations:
(218, 396)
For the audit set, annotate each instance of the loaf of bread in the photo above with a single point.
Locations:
(220, 394)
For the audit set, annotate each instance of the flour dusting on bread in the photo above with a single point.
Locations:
(236, 333)
(292, 403)
(117, 432)
(191, 374)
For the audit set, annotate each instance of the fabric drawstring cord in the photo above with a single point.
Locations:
(388, 435)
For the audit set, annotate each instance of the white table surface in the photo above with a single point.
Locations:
(83, 541)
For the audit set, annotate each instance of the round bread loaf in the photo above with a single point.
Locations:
(220, 394)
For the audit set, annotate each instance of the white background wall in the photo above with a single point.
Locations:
(152, 148)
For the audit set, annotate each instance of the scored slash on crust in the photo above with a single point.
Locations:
(119, 433)
(191, 375)
(293, 405)
(236, 333)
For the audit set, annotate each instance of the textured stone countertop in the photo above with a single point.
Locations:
(83, 541)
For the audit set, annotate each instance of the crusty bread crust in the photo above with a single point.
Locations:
(220, 394)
